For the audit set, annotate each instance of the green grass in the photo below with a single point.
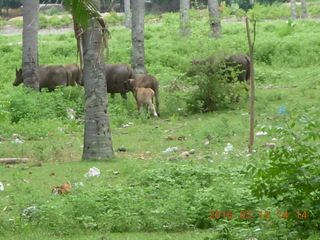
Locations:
(156, 195)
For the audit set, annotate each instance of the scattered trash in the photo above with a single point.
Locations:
(62, 189)
(185, 154)
(141, 156)
(206, 142)
(1, 187)
(282, 111)
(127, 125)
(228, 148)
(93, 172)
(17, 138)
(115, 172)
(78, 184)
(192, 151)
(269, 145)
(122, 149)
(169, 138)
(71, 113)
(261, 133)
(180, 138)
(29, 212)
(171, 149)
(148, 152)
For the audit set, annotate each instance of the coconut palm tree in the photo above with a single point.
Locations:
(89, 23)
(137, 37)
(184, 17)
(214, 18)
(30, 64)
(127, 12)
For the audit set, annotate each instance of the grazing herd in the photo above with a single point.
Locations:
(121, 78)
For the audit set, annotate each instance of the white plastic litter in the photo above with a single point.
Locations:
(1, 187)
(170, 149)
(228, 148)
(261, 133)
(93, 172)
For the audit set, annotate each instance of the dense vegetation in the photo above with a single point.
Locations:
(147, 192)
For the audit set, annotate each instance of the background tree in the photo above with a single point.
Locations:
(303, 9)
(127, 13)
(184, 17)
(30, 63)
(214, 18)
(137, 37)
(97, 134)
(293, 9)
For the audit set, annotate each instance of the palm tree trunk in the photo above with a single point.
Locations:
(97, 134)
(303, 9)
(214, 18)
(184, 17)
(137, 37)
(127, 12)
(30, 63)
(293, 10)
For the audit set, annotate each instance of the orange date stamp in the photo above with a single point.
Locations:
(254, 215)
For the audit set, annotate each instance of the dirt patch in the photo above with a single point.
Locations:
(11, 29)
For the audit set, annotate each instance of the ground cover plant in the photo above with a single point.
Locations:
(149, 191)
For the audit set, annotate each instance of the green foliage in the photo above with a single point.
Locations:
(290, 173)
(114, 18)
(43, 21)
(172, 197)
(2, 22)
(54, 21)
(34, 106)
(214, 85)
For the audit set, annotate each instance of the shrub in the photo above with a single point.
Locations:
(290, 174)
(214, 85)
(45, 105)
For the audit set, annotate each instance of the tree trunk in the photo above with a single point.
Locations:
(97, 134)
(184, 17)
(293, 9)
(30, 63)
(127, 12)
(303, 9)
(137, 37)
(214, 18)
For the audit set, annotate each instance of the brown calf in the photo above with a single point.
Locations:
(145, 96)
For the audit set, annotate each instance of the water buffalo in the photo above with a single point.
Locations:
(145, 96)
(116, 76)
(50, 77)
(239, 63)
(145, 81)
(75, 74)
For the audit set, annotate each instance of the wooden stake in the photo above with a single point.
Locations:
(252, 98)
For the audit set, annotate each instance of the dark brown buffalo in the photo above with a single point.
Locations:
(239, 63)
(116, 76)
(50, 77)
(75, 74)
(145, 81)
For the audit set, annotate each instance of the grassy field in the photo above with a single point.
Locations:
(145, 193)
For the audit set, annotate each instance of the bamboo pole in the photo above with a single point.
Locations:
(252, 98)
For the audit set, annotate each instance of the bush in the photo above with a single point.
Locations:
(213, 84)
(45, 105)
(290, 174)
